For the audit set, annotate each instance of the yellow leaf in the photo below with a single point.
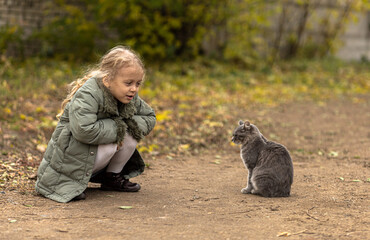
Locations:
(333, 154)
(125, 207)
(11, 169)
(185, 146)
(213, 123)
(143, 149)
(40, 110)
(184, 106)
(283, 234)
(165, 115)
(8, 110)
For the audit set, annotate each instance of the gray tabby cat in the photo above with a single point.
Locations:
(270, 168)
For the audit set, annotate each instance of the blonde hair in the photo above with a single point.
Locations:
(109, 64)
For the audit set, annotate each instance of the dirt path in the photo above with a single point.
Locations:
(199, 197)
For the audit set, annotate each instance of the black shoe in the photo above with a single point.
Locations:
(115, 182)
(82, 196)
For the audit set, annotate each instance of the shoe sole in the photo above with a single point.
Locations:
(118, 189)
(80, 197)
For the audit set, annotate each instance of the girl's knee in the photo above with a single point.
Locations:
(129, 143)
(107, 150)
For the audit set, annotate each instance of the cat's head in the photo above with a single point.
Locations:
(245, 133)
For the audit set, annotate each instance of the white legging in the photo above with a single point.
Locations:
(108, 155)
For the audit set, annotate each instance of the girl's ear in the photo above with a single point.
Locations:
(106, 82)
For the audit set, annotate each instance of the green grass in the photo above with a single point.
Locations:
(289, 81)
(38, 77)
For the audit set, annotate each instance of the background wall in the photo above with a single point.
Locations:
(356, 40)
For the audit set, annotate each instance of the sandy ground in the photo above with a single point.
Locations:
(198, 197)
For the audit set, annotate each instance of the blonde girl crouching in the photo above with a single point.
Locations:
(101, 122)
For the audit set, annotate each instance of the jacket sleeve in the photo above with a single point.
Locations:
(84, 123)
(145, 116)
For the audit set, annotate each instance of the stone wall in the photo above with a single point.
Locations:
(29, 15)
(356, 40)
(25, 13)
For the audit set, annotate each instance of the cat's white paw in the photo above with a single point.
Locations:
(246, 190)
(254, 191)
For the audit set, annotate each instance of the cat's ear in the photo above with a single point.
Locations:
(241, 122)
(247, 125)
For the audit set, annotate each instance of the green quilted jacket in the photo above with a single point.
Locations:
(92, 117)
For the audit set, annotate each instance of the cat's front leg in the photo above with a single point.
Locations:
(249, 188)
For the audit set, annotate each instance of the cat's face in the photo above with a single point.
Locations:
(245, 132)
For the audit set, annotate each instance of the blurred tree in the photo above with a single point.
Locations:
(160, 29)
(11, 41)
(71, 34)
(247, 30)
(244, 31)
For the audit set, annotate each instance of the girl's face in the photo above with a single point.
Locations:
(126, 83)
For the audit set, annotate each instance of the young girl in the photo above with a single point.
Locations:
(97, 133)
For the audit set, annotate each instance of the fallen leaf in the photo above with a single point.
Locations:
(7, 110)
(333, 154)
(283, 234)
(356, 180)
(33, 176)
(40, 110)
(22, 116)
(185, 146)
(11, 169)
(125, 207)
(165, 115)
(41, 147)
(341, 178)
